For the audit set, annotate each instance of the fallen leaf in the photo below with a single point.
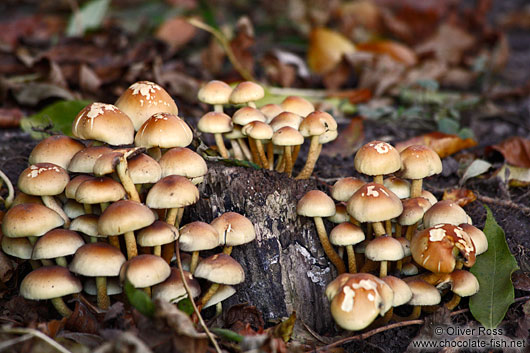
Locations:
(461, 196)
(381, 75)
(515, 176)
(516, 151)
(10, 117)
(82, 320)
(279, 72)
(476, 168)
(326, 49)
(123, 342)
(88, 79)
(212, 57)
(458, 78)
(448, 44)
(6, 268)
(426, 70)
(395, 50)
(38, 27)
(521, 281)
(176, 32)
(354, 96)
(348, 141)
(443, 144)
(359, 19)
(284, 329)
(243, 42)
(244, 314)
(89, 16)
(34, 93)
(177, 320)
(51, 328)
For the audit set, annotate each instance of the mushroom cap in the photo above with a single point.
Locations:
(73, 184)
(344, 188)
(30, 219)
(433, 248)
(73, 209)
(419, 161)
(409, 269)
(233, 229)
(258, 130)
(333, 287)
(215, 123)
(464, 283)
(429, 196)
(87, 224)
(315, 203)
(113, 286)
(124, 216)
(328, 136)
(145, 270)
(215, 92)
(103, 122)
(106, 164)
(405, 245)
(158, 233)
(317, 124)
(143, 99)
(270, 111)
(56, 149)
(374, 203)
(402, 292)
(346, 234)
(20, 248)
(287, 136)
(423, 293)
(197, 236)
(341, 214)
(413, 210)
(43, 179)
(97, 260)
(286, 119)
(184, 162)
(220, 268)
(297, 105)
(21, 198)
(377, 158)
(224, 292)
(445, 211)
(84, 160)
(384, 248)
(98, 190)
(398, 186)
(172, 289)
(172, 191)
(235, 133)
(164, 130)
(245, 92)
(477, 236)
(57, 243)
(246, 115)
(49, 282)
(144, 170)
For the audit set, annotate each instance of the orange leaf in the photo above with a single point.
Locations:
(443, 144)
(355, 96)
(176, 32)
(395, 50)
(10, 117)
(461, 196)
(326, 48)
(516, 151)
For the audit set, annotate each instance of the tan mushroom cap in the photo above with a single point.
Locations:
(143, 99)
(172, 191)
(84, 160)
(405, 245)
(21, 198)
(402, 292)
(477, 236)
(419, 161)
(106, 164)
(97, 260)
(43, 179)
(30, 219)
(74, 183)
(198, 236)
(344, 188)
(245, 92)
(172, 289)
(57, 149)
(346, 234)
(124, 216)
(235, 133)
(374, 203)
(73, 209)
(341, 214)
(103, 122)
(246, 115)
(164, 130)
(215, 92)
(158, 233)
(287, 136)
(312, 126)
(57, 243)
(328, 136)
(49, 282)
(333, 287)
(215, 123)
(413, 210)
(398, 186)
(384, 248)
(233, 229)
(409, 269)
(423, 293)
(220, 268)
(297, 105)
(224, 292)
(20, 248)
(87, 224)
(271, 111)
(144, 170)
(145, 271)
(184, 162)
(377, 158)
(286, 119)
(98, 190)
(464, 283)
(113, 286)
(445, 211)
(429, 196)
(258, 130)
(315, 203)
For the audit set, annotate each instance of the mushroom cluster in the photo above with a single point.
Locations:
(86, 207)
(272, 132)
(391, 223)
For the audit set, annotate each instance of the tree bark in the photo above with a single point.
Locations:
(285, 267)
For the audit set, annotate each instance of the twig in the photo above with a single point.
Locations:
(190, 296)
(226, 46)
(38, 334)
(504, 203)
(11, 192)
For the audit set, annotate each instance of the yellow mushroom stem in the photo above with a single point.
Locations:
(378, 228)
(218, 108)
(261, 154)
(227, 250)
(352, 265)
(270, 155)
(194, 261)
(398, 230)
(254, 151)
(157, 250)
(244, 148)
(238, 154)
(410, 230)
(416, 187)
(130, 244)
(312, 157)
(280, 164)
(155, 153)
(147, 290)
(416, 312)
(326, 245)
(288, 160)
(455, 300)
(61, 261)
(51, 202)
(10, 190)
(208, 295)
(221, 145)
(379, 179)
(102, 296)
(61, 307)
(126, 181)
(383, 269)
(167, 249)
(388, 227)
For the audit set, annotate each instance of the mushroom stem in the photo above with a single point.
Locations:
(251, 104)
(88, 208)
(378, 228)
(34, 264)
(415, 188)
(47, 262)
(130, 244)
(104, 206)
(126, 181)
(244, 148)
(218, 108)
(262, 155)
(455, 300)
(328, 249)
(398, 230)
(93, 239)
(238, 154)
(280, 164)
(379, 179)
(383, 270)
(410, 231)
(352, 265)
(221, 145)
(312, 157)
(296, 152)
(340, 251)
(114, 241)
(51, 202)
(157, 250)
(388, 227)
(180, 214)
(459, 265)
(61, 307)
(61, 261)
(270, 155)
(10, 190)
(369, 231)
(288, 160)
(194, 261)
(171, 216)
(254, 151)
(147, 290)
(227, 250)
(103, 297)
(208, 295)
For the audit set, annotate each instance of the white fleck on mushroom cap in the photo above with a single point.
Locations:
(163, 130)
(477, 236)
(43, 179)
(374, 203)
(377, 158)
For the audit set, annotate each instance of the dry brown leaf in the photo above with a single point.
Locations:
(448, 44)
(337, 77)
(521, 281)
(517, 19)
(359, 19)
(10, 117)
(243, 42)
(88, 79)
(6, 268)
(35, 26)
(284, 329)
(176, 32)
(326, 49)
(353, 95)
(82, 320)
(458, 78)
(243, 315)
(395, 50)
(426, 70)
(516, 151)
(278, 72)
(443, 144)
(212, 57)
(461, 196)
(51, 328)
(177, 320)
(383, 74)
(348, 141)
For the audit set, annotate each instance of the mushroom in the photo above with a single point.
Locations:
(419, 162)
(216, 93)
(287, 137)
(172, 289)
(377, 158)
(56, 149)
(445, 211)
(423, 294)
(463, 284)
(195, 237)
(216, 123)
(156, 235)
(297, 105)
(84, 160)
(245, 116)
(233, 230)
(145, 271)
(247, 92)
(56, 244)
(384, 249)
(184, 162)
(258, 131)
(348, 235)
(477, 236)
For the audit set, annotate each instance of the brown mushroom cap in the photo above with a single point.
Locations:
(158, 233)
(315, 203)
(445, 211)
(402, 292)
(164, 130)
(384, 248)
(246, 115)
(172, 289)
(49, 282)
(172, 191)
(233, 229)
(286, 119)
(297, 105)
(74, 183)
(341, 214)
(220, 268)
(184, 162)
(398, 186)
(215, 92)
(87, 224)
(97, 260)
(30, 219)
(287, 136)
(57, 243)
(84, 160)
(197, 236)
(245, 92)
(258, 130)
(423, 293)
(20, 248)
(270, 111)
(57, 149)
(145, 271)
(215, 123)
(43, 179)
(477, 236)
(374, 203)
(344, 188)
(346, 234)
(413, 210)
(98, 190)
(464, 283)
(224, 292)
(124, 216)
(144, 169)
(419, 161)
(377, 158)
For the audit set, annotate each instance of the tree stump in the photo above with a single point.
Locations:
(286, 268)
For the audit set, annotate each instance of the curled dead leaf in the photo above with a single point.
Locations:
(348, 141)
(177, 320)
(395, 50)
(448, 44)
(326, 49)
(514, 176)
(461, 196)
(176, 32)
(516, 151)
(442, 143)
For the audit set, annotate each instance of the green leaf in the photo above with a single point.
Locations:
(90, 16)
(57, 117)
(139, 300)
(185, 306)
(493, 270)
(228, 335)
(448, 126)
